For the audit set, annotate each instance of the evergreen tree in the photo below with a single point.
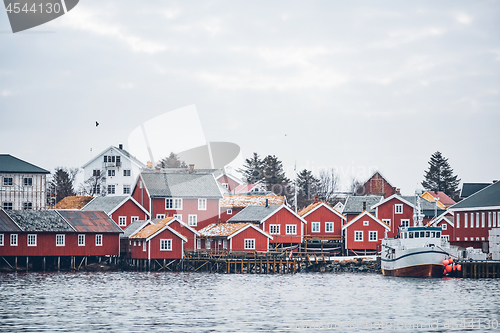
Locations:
(440, 176)
(274, 176)
(172, 161)
(253, 169)
(61, 185)
(307, 187)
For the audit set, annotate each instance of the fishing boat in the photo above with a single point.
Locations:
(416, 251)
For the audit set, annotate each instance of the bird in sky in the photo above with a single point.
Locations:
(96, 124)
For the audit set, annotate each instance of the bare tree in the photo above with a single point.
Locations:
(356, 188)
(94, 186)
(328, 185)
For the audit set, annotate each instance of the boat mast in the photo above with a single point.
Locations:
(418, 216)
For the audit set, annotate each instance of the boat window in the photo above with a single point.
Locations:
(422, 234)
(438, 234)
(433, 234)
(416, 234)
(405, 235)
(427, 234)
(410, 234)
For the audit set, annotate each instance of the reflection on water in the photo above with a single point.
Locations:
(200, 302)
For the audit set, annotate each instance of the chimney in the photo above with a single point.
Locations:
(267, 202)
(316, 199)
(149, 164)
(120, 146)
(191, 168)
(364, 206)
(494, 181)
(398, 191)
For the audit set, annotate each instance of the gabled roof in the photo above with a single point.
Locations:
(360, 216)
(219, 173)
(39, 221)
(134, 227)
(90, 221)
(11, 164)
(6, 223)
(74, 202)
(428, 208)
(488, 197)
(444, 217)
(194, 231)
(122, 152)
(229, 230)
(469, 189)
(442, 197)
(152, 230)
(175, 185)
(260, 214)
(354, 204)
(240, 201)
(109, 204)
(380, 174)
(316, 205)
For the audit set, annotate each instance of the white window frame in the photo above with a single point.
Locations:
(178, 216)
(193, 220)
(7, 183)
(208, 246)
(31, 240)
(458, 239)
(466, 239)
(126, 173)
(127, 189)
(175, 204)
(160, 216)
(13, 239)
(134, 218)
(275, 229)
(477, 219)
(1, 240)
(249, 243)
(229, 212)
(291, 229)
(489, 219)
(444, 226)
(332, 229)
(81, 239)
(477, 239)
(27, 205)
(144, 243)
(370, 234)
(483, 219)
(98, 240)
(366, 223)
(28, 180)
(165, 244)
(495, 219)
(60, 240)
(466, 220)
(445, 238)
(387, 221)
(405, 223)
(202, 204)
(224, 243)
(458, 221)
(198, 244)
(225, 185)
(122, 221)
(358, 235)
(315, 227)
(111, 189)
(398, 208)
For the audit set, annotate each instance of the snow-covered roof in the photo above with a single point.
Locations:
(228, 230)
(241, 201)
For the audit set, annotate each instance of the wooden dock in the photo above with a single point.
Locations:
(480, 269)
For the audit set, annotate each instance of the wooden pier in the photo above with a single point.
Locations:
(480, 269)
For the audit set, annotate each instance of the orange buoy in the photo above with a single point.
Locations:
(450, 260)
(445, 262)
(459, 267)
(448, 268)
(454, 267)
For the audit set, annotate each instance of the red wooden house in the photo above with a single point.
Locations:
(221, 238)
(229, 182)
(323, 222)
(122, 209)
(376, 185)
(231, 205)
(446, 222)
(157, 241)
(279, 221)
(191, 197)
(364, 234)
(475, 215)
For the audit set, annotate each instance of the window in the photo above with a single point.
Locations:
(1, 239)
(13, 240)
(489, 219)
(225, 185)
(458, 239)
(27, 205)
(495, 220)
(192, 220)
(160, 216)
(178, 216)
(405, 222)
(483, 239)
(126, 189)
(229, 212)
(198, 244)
(465, 239)
(274, 229)
(173, 203)
(7, 205)
(482, 219)
(111, 189)
(97, 189)
(315, 226)
(477, 238)
(207, 244)
(98, 240)
(387, 221)
(31, 240)
(249, 243)
(445, 238)
(117, 160)
(328, 226)
(438, 234)
(372, 236)
(144, 246)
(60, 240)
(291, 229)
(410, 234)
(366, 222)
(165, 245)
(202, 204)
(224, 244)
(458, 220)
(81, 240)
(398, 208)
(134, 218)
(358, 236)
(477, 220)
(111, 173)
(465, 221)
(444, 226)
(28, 181)
(126, 173)
(8, 181)
(96, 173)
(122, 221)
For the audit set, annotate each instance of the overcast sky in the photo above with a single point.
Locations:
(358, 86)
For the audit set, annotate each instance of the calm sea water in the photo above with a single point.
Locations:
(202, 302)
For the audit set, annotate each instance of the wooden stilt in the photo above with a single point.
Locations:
(58, 263)
(44, 264)
(15, 263)
(27, 263)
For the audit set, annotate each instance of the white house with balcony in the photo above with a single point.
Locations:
(118, 167)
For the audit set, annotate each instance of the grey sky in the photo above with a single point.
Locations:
(370, 85)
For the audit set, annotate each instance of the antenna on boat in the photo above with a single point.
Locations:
(418, 216)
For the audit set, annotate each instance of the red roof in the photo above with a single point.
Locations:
(443, 198)
(89, 221)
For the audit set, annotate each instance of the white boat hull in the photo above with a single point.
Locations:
(418, 262)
